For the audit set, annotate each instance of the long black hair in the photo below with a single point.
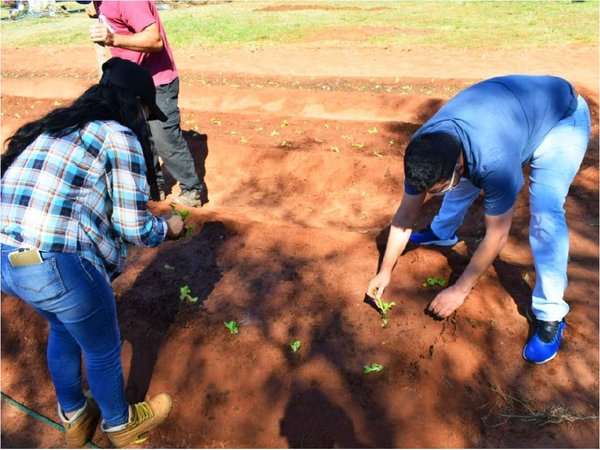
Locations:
(99, 102)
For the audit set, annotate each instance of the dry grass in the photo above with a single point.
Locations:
(523, 410)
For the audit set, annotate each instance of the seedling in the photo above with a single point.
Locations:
(232, 326)
(169, 267)
(184, 214)
(433, 281)
(358, 145)
(378, 154)
(335, 149)
(185, 293)
(372, 130)
(188, 229)
(375, 367)
(384, 307)
(295, 345)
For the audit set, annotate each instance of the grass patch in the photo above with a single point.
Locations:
(403, 24)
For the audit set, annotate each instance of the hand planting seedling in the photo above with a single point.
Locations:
(295, 345)
(375, 367)
(433, 281)
(384, 307)
(188, 229)
(232, 326)
(185, 293)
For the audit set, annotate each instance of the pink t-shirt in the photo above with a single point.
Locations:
(129, 17)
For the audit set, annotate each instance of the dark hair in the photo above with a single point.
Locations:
(430, 158)
(100, 102)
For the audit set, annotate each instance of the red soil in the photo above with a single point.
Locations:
(303, 164)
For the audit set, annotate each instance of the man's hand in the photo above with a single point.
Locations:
(174, 226)
(100, 34)
(378, 284)
(447, 301)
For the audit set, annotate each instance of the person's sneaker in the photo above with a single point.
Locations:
(428, 237)
(143, 417)
(544, 344)
(81, 427)
(189, 198)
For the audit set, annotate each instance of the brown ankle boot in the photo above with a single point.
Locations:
(81, 427)
(143, 417)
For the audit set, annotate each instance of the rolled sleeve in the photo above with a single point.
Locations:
(131, 219)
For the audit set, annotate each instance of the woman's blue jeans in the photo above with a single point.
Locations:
(80, 306)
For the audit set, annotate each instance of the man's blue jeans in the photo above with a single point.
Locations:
(554, 165)
(80, 307)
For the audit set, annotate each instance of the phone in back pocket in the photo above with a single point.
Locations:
(29, 257)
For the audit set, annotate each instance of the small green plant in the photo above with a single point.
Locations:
(375, 367)
(384, 307)
(185, 294)
(188, 229)
(232, 326)
(295, 345)
(433, 281)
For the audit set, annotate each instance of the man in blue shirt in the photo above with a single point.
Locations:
(479, 141)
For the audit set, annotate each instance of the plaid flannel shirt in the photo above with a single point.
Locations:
(85, 192)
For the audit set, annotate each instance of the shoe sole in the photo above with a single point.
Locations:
(439, 243)
(539, 362)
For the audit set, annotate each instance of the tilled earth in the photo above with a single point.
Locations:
(304, 171)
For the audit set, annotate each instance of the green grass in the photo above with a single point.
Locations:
(404, 24)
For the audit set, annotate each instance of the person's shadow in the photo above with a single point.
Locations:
(311, 420)
(198, 145)
(152, 305)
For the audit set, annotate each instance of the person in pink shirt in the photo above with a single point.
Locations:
(133, 30)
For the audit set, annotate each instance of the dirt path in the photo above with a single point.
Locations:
(304, 167)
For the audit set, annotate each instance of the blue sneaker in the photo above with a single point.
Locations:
(428, 237)
(544, 344)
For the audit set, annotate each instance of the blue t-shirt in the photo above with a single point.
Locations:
(500, 122)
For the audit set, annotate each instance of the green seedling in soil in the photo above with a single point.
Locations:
(375, 367)
(185, 293)
(232, 326)
(433, 281)
(378, 154)
(295, 345)
(357, 145)
(335, 149)
(169, 267)
(372, 130)
(384, 307)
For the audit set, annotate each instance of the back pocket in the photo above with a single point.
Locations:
(38, 282)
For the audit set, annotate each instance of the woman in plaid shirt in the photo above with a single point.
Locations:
(74, 191)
